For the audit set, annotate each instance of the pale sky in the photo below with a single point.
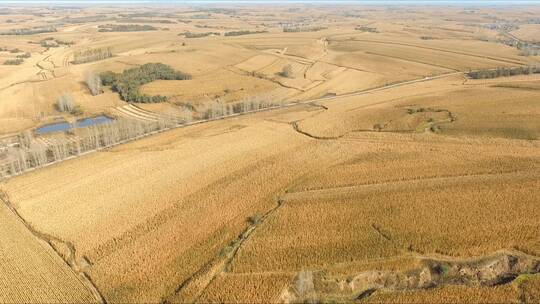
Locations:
(382, 2)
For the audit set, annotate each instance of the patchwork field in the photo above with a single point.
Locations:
(285, 155)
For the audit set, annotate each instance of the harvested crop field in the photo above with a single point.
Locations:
(386, 194)
(31, 271)
(346, 157)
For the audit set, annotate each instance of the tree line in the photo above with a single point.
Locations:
(19, 59)
(125, 28)
(303, 29)
(29, 31)
(66, 103)
(245, 32)
(529, 49)
(31, 152)
(128, 82)
(503, 72)
(368, 29)
(148, 14)
(90, 55)
(217, 109)
(189, 34)
(135, 20)
(16, 61)
(51, 42)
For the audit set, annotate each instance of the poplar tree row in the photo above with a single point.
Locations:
(503, 72)
(30, 152)
(91, 55)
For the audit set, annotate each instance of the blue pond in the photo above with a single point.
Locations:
(64, 126)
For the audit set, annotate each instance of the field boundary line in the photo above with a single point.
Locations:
(439, 50)
(217, 265)
(348, 189)
(70, 260)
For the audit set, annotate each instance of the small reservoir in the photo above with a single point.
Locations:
(64, 126)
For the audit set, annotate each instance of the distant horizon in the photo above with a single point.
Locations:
(318, 2)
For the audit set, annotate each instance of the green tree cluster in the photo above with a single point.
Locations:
(128, 82)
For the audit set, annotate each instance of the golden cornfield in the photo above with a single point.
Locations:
(377, 172)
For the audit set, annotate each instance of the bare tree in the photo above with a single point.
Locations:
(287, 71)
(93, 81)
(65, 103)
(33, 153)
(305, 288)
(90, 55)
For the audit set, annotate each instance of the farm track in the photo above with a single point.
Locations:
(42, 73)
(301, 60)
(67, 253)
(44, 70)
(127, 63)
(29, 81)
(385, 87)
(324, 54)
(65, 61)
